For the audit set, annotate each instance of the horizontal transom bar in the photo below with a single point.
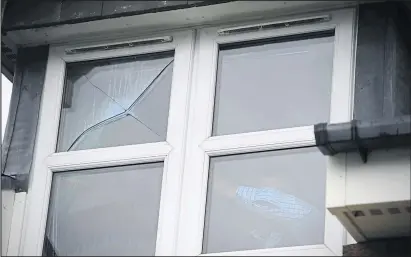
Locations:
(260, 141)
(110, 156)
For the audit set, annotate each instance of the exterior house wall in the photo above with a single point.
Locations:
(382, 86)
(382, 81)
(7, 203)
(382, 91)
(18, 143)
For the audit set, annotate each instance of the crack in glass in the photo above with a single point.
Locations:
(105, 110)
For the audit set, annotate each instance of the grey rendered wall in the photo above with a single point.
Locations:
(20, 134)
(383, 68)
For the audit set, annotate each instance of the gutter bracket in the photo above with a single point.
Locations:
(363, 151)
(363, 154)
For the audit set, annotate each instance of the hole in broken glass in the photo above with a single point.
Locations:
(125, 104)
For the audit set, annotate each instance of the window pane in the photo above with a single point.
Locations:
(265, 200)
(273, 85)
(106, 211)
(116, 102)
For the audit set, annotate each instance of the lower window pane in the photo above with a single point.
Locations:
(107, 211)
(265, 200)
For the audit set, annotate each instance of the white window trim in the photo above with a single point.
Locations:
(46, 161)
(200, 146)
(180, 226)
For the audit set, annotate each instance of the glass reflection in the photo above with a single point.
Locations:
(265, 200)
(273, 204)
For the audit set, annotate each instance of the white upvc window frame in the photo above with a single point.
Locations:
(189, 144)
(47, 161)
(201, 145)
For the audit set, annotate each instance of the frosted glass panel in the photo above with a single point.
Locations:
(130, 96)
(265, 200)
(107, 211)
(273, 85)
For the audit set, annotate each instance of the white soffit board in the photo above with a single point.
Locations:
(182, 18)
(375, 221)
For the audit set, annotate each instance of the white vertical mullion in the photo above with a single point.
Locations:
(176, 137)
(341, 111)
(199, 128)
(343, 72)
(40, 181)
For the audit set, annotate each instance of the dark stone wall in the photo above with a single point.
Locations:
(383, 65)
(20, 133)
(22, 14)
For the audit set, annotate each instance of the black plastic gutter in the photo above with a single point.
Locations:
(363, 136)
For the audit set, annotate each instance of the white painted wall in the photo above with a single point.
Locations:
(7, 202)
(16, 224)
(384, 178)
(7, 196)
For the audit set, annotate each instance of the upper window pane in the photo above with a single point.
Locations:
(265, 200)
(271, 85)
(106, 211)
(116, 102)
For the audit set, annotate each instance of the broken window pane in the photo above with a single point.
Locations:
(116, 102)
(271, 85)
(105, 211)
